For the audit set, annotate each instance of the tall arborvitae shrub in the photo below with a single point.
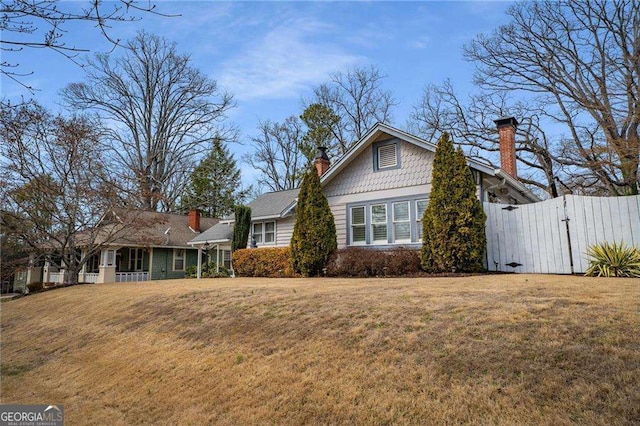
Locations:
(314, 232)
(241, 227)
(453, 223)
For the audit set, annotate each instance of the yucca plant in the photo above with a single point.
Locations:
(613, 260)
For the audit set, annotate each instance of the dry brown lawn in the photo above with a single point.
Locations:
(495, 349)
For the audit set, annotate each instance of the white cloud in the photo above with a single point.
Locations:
(420, 42)
(285, 62)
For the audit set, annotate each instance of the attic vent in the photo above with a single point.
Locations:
(387, 156)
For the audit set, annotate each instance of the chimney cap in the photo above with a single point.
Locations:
(322, 153)
(503, 121)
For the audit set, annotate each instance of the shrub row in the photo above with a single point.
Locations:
(263, 262)
(363, 262)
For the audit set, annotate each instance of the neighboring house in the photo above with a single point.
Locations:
(150, 246)
(377, 192)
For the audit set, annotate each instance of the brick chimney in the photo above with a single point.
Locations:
(321, 161)
(507, 136)
(194, 220)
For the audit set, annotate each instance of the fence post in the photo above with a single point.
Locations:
(566, 224)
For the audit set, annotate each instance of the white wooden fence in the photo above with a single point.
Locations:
(553, 236)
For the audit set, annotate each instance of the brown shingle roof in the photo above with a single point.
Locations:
(154, 229)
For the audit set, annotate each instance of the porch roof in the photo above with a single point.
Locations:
(152, 229)
(218, 233)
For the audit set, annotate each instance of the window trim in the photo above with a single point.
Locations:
(419, 218)
(407, 221)
(386, 223)
(264, 232)
(183, 258)
(416, 238)
(140, 258)
(363, 225)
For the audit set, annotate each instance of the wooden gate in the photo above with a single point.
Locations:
(553, 236)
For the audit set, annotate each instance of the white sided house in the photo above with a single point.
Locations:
(377, 192)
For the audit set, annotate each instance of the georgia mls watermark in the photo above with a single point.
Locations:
(31, 415)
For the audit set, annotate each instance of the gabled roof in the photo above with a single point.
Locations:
(218, 233)
(273, 205)
(152, 229)
(381, 129)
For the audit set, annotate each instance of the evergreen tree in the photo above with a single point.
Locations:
(453, 223)
(241, 227)
(314, 232)
(214, 184)
(321, 122)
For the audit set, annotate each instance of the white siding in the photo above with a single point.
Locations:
(284, 231)
(359, 177)
(339, 211)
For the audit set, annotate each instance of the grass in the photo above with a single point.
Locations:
(496, 349)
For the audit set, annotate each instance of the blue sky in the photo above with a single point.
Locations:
(271, 54)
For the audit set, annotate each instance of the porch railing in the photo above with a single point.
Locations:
(91, 277)
(56, 277)
(127, 277)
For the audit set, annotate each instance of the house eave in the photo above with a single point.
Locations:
(201, 243)
(517, 185)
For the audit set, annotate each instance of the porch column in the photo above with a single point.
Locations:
(48, 269)
(107, 270)
(217, 258)
(83, 270)
(33, 272)
(199, 262)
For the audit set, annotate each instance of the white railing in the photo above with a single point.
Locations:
(56, 277)
(127, 277)
(91, 277)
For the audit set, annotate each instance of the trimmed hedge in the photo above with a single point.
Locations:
(263, 262)
(371, 262)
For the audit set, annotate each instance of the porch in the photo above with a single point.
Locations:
(120, 265)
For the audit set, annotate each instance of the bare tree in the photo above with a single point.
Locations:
(471, 123)
(43, 24)
(56, 190)
(279, 154)
(159, 114)
(582, 61)
(359, 100)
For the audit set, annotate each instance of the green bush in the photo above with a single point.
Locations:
(191, 271)
(371, 262)
(613, 260)
(208, 271)
(453, 224)
(263, 262)
(212, 273)
(314, 232)
(241, 227)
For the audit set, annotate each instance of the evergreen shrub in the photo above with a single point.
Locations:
(314, 232)
(454, 222)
